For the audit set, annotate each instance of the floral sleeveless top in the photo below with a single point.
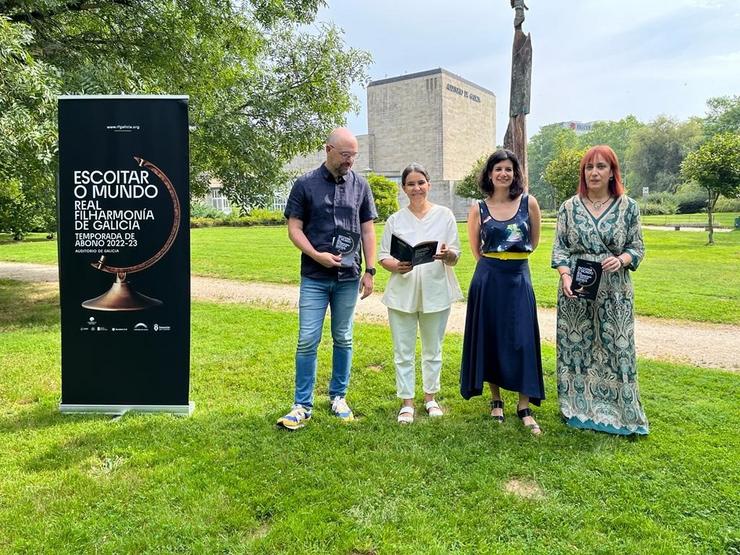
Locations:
(505, 236)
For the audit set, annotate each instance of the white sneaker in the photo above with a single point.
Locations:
(296, 418)
(341, 409)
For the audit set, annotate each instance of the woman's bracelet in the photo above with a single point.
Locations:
(565, 274)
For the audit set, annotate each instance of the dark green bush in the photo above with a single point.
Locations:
(691, 202)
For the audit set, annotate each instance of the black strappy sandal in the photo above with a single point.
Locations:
(534, 428)
(497, 404)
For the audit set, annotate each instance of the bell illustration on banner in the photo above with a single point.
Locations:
(121, 296)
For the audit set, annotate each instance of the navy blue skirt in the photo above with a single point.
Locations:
(502, 337)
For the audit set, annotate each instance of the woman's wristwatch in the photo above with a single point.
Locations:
(371, 271)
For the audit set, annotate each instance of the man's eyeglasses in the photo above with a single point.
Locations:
(345, 154)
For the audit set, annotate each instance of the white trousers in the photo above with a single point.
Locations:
(431, 327)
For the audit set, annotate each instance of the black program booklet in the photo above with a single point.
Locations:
(586, 277)
(421, 253)
(346, 243)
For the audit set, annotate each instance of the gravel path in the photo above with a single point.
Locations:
(700, 344)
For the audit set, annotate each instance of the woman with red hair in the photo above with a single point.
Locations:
(596, 361)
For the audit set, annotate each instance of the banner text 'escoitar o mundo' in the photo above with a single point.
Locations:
(113, 184)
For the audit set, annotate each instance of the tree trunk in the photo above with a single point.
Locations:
(710, 209)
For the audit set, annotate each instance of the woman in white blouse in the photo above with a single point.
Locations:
(420, 296)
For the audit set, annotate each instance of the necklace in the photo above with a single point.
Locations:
(598, 204)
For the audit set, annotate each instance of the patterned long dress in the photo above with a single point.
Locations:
(596, 362)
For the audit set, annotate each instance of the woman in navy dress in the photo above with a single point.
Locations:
(501, 345)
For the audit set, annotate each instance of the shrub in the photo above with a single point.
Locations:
(648, 208)
(467, 187)
(563, 172)
(691, 202)
(257, 216)
(658, 203)
(203, 210)
(203, 222)
(549, 213)
(263, 216)
(727, 205)
(385, 193)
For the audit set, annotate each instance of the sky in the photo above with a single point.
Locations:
(592, 59)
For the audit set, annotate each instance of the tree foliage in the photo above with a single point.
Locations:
(656, 151)
(545, 146)
(563, 171)
(715, 166)
(650, 155)
(467, 187)
(616, 134)
(723, 115)
(28, 89)
(263, 87)
(385, 193)
(542, 149)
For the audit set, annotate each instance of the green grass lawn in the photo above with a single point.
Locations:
(680, 278)
(227, 481)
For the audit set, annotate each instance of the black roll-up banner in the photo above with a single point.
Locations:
(124, 253)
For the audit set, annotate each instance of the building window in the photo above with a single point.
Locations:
(280, 197)
(218, 200)
(279, 203)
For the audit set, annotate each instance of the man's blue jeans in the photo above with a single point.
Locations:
(316, 295)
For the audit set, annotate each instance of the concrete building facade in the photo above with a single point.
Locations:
(435, 118)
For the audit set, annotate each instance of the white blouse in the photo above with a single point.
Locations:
(430, 287)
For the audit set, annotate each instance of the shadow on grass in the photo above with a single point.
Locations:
(205, 436)
(25, 304)
(7, 239)
(37, 416)
(45, 415)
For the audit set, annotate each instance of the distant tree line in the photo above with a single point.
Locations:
(687, 166)
(656, 155)
(651, 155)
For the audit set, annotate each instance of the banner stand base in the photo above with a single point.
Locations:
(119, 410)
